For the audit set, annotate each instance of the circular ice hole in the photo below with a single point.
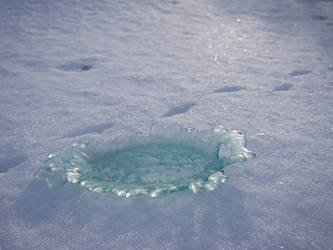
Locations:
(167, 160)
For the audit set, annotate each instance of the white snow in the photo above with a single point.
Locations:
(80, 70)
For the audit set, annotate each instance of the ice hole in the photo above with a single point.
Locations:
(169, 159)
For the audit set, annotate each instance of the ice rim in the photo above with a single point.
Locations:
(73, 163)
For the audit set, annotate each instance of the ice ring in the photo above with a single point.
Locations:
(169, 159)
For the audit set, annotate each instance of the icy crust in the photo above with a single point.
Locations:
(171, 158)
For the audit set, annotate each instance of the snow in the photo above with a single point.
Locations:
(82, 70)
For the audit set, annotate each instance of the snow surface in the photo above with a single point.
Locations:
(73, 70)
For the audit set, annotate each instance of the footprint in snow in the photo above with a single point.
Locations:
(78, 66)
(283, 87)
(94, 129)
(318, 17)
(299, 72)
(229, 89)
(183, 108)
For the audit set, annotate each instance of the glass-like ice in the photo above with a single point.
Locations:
(171, 158)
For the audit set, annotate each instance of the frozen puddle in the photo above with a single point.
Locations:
(169, 159)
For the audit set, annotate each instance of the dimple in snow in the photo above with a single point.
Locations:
(171, 158)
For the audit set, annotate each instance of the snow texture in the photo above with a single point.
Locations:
(82, 70)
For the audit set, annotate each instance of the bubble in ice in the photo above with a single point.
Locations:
(170, 158)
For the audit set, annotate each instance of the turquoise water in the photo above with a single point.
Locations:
(169, 159)
(153, 166)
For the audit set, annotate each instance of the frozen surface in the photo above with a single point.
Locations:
(77, 70)
(169, 158)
